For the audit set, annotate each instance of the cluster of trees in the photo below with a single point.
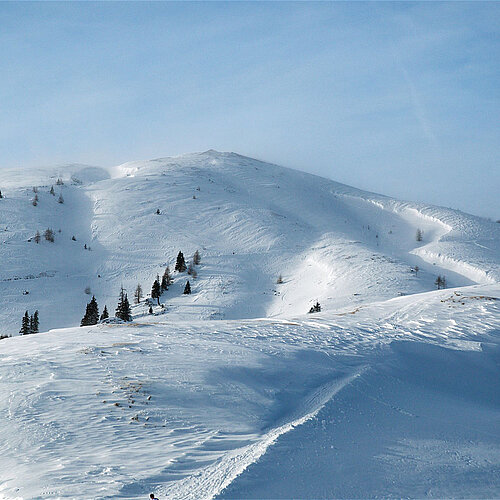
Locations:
(29, 324)
(52, 192)
(92, 317)
(161, 285)
(440, 282)
(48, 234)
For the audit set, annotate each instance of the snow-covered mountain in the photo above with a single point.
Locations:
(251, 222)
(234, 391)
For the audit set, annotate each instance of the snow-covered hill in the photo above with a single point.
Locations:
(251, 221)
(391, 391)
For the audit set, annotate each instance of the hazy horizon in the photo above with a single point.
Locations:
(396, 98)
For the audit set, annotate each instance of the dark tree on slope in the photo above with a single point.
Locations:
(180, 265)
(34, 322)
(105, 314)
(59, 182)
(315, 308)
(196, 258)
(49, 235)
(91, 314)
(1, 196)
(37, 237)
(60, 199)
(166, 280)
(138, 294)
(52, 192)
(123, 308)
(25, 325)
(419, 235)
(440, 282)
(156, 291)
(187, 288)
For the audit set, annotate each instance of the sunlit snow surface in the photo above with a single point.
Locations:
(373, 397)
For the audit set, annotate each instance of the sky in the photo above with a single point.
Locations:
(396, 98)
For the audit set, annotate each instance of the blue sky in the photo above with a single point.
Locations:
(397, 98)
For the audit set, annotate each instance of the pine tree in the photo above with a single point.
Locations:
(37, 237)
(1, 195)
(196, 258)
(156, 291)
(52, 192)
(60, 199)
(315, 308)
(105, 314)
(49, 235)
(187, 288)
(180, 265)
(59, 182)
(279, 281)
(138, 294)
(419, 235)
(34, 322)
(440, 282)
(91, 313)
(166, 280)
(123, 308)
(25, 325)
(190, 268)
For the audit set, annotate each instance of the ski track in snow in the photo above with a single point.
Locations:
(193, 408)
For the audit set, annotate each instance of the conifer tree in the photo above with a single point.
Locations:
(180, 265)
(279, 281)
(196, 258)
(190, 268)
(49, 235)
(105, 314)
(166, 280)
(150, 309)
(156, 291)
(60, 199)
(52, 192)
(1, 195)
(123, 308)
(187, 288)
(419, 235)
(34, 322)
(138, 294)
(37, 237)
(91, 313)
(25, 325)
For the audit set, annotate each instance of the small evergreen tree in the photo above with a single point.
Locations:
(196, 258)
(180, 264)
(166, 280)
(1, 195)
(440, 282)
(49, 235)
(91, 314)
(25, 325)
(190, 268)
(187, 288)
(123, 308)
(105, 314)
(419, 235)
(37, 237)
(315, 308)
(138, 294)
(52, 192)
(59, 181)
(156, 291)
(60, 199)
(34, 322)
(279, 281)
(150, 309)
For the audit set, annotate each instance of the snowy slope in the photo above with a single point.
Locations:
(251, 222)
(392, 390)
(399, 398)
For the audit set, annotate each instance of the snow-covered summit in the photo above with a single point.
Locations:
(251, 222)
